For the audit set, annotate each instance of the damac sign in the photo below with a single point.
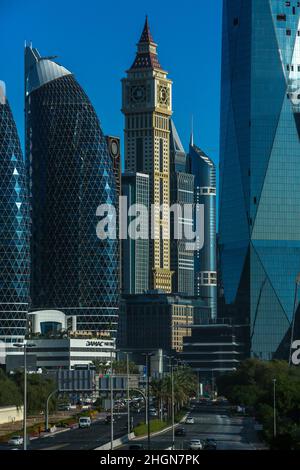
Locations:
(296, 353)
(94, 343)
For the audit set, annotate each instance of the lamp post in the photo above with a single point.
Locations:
(172, 399)
(173, 412)
(24, 346)
(128, 395)
(274, 409)
(148, 355)
(111, 403)
(297, 282)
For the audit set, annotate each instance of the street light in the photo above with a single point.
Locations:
(172, 399)
(128, 395)
(24, 346)
(148, 355)
(274, 409)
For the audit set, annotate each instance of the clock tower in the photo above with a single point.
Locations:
(147, 106)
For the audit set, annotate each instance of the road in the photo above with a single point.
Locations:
(215, 422)
(82, 439)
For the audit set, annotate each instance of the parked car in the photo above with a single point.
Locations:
(190, 420)
(153, 413)
(195, 444)
(16, 441)
(180, 431)
(85, 422)
(136, 447)
(210, 444)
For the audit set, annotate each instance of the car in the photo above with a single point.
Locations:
(152, 413)
(16, 441)
(195, 444)
(180, 431)
(210, 444)
(84, 422)
(136, 447)
(190, 420)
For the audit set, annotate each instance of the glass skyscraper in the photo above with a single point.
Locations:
(204, 171)
(135, 253)
(14, 230)
(71, 174)
(260, 167)
(181, 193)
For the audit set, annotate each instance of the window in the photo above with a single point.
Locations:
(235, 21)
(288, 32)
(288, 68)
(281, 17)
(287, 4)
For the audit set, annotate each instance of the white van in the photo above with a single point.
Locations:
(85, 422)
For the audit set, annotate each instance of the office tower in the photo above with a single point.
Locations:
(14, 230)
(204, 171)
(135, 252)
(181, 193)
(157, 321)
(147, 106)
(71, 175)
(260, 167)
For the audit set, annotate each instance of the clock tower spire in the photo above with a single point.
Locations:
(147, 106)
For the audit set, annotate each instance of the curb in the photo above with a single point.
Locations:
(143, 438)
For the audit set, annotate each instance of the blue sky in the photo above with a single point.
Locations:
(96, 40)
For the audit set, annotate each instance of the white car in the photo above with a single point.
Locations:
(85, 422)
(195, 444)
(189, 420)
(16, 441)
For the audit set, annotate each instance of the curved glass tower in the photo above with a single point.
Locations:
(14, 230)
(71, 174)
(204, 170)
(260, 168)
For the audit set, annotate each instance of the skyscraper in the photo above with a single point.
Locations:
(204, 171)
(71, 174)
(260, 167)
(135, 253)
(147, 106)
(181, 193)
(14, 230)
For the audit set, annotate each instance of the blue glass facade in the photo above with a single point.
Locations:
(260, 168)
(71, 174)
(205, 260)
(14, 231)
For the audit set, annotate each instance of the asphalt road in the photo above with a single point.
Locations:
(214, 422)
(82, 439)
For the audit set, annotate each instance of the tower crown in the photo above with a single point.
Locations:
(146, 56)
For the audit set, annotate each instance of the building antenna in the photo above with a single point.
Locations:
(192, 131)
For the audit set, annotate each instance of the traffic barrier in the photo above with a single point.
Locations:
(117, 442)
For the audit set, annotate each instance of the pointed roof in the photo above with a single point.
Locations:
(146, 36)
(146, 56)
(40, 70)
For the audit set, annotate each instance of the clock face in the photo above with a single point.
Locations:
(114, 147)
(163, 95)
(138, 94)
